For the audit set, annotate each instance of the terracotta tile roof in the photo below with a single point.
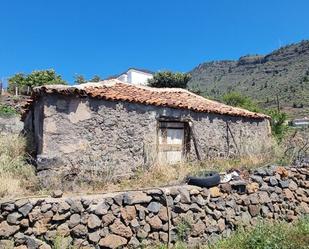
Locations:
(115, 90)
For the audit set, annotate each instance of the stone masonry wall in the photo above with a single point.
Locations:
(10, 125)
(113, 139)
(136, 218)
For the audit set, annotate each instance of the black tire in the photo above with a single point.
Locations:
(207, 180)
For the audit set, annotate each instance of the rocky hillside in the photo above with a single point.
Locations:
(284, 72)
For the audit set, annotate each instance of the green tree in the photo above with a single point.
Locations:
(17, 80)
(169, 79)
(96, 78)
(239, 100)
(25, 82)
(79, 79)
(278, 123)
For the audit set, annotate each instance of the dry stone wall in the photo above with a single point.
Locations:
(159, 215)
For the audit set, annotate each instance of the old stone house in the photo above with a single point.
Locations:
(113, 128)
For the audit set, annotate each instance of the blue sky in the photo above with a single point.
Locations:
(106, 37)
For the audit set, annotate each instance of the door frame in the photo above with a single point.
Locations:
(187, 136)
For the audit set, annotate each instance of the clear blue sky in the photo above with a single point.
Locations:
(106, 37)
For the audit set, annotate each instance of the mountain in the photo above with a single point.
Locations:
(283, 73)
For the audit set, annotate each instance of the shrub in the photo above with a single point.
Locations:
(16, 176)
(169, 79)
(278, 124)
(239, 100)
(7, 111)
(281, 235)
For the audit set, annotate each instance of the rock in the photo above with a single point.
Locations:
(21, 202)
(293, 186)
(155, 223)
(184, 195)
(136, 198)
(8, 207)
(215, 192)
(284, 184)
(194, 191)
(141, 211)
(61, 217)
(120, 229)
(288, 193)
(118, 199)
(41, 226)
(273, 181)
(198, 228)
(199, 200)
(254, 210)
(80, 230)
(21, 247)
(63, 207)
(252, 187)
(128, 213)
(163, 214)
(134, 243)
(163, 237)
(45, 208)
(265, 211)
(108, 219)
(231, 203)
(93, 221)
(74, 220)
(63, 230)
(245, 218)
(153, 236)
(6, 244)
(57, 194)
(33, 242)
(217, 214)
(257, 179)
(94, 237)
(24, 223)
(239, 186)
(282, 172)
(260, 172)
(154, 207)
(135, 224)
(7, 230)
(13, 218)
(25, 209)
(113, 241)
(226, 188)
(101, 209)
(76, 205)
(264, 197)
(221, 225)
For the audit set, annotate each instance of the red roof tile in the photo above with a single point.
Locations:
(115, 90)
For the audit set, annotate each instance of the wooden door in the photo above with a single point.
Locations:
(171, 142)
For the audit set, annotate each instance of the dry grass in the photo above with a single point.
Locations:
(163, 175)
(16, 176)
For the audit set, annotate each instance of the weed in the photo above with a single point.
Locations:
(7, 111)
(16, 175)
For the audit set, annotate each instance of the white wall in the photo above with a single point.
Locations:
(135, 77)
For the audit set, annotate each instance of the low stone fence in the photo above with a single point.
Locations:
(139, 218)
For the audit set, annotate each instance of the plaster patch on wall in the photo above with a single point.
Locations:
(79, 111)
(50, 126)
(80, 145)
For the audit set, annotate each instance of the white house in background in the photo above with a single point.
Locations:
(135, 76)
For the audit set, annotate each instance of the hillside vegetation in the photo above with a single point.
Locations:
(284, 72)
